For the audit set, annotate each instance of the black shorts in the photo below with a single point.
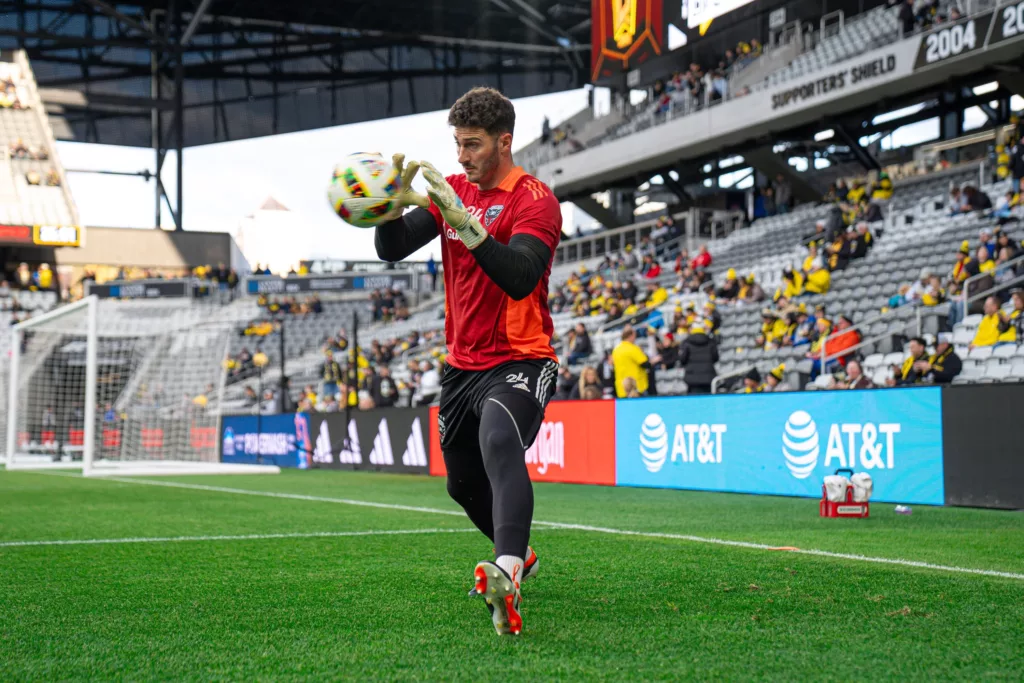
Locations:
(464, 392)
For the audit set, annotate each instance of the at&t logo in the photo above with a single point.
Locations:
(854, 445)
(699, 442)
(653, 442)
(800, 444)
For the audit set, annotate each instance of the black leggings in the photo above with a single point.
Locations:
(487, 472)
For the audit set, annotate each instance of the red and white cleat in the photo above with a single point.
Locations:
(502, 596)
(531, 566)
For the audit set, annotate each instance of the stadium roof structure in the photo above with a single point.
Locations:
(263, 67)
(170, 74)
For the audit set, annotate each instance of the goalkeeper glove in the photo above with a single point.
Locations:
(448, 203)
(407, 196)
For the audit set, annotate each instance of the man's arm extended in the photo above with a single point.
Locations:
(516, 268)
(402, 237)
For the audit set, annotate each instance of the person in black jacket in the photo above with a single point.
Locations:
(580, 346)
(383, 388)
(944, 364)
(697, 355)
(565, 384)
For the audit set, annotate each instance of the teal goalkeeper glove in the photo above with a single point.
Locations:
(408, 196)
(448, 203)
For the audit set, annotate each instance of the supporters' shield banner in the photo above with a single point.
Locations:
(575, 444)
(385, 439)
(784, 444)
(271, 284)
(282, 440)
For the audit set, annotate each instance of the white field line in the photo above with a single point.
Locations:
(245, 537)
(580, 527)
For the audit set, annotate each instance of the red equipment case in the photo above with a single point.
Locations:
(847, 508)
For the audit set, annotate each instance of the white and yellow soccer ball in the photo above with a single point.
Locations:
(363, 189)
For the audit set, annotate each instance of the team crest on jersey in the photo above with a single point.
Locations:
(492, 214)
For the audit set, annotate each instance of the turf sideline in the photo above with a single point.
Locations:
(246, 537)
(577, 527)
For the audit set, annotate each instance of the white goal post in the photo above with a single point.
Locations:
(119, 388)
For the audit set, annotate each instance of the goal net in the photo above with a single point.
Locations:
(118, 388)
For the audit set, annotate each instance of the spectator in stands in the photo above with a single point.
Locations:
(838, 253)
(917, 290)
(751, 292)
(43, 277)
(580, 346)
(792, 284)
(994, 328)
(430, 383)
(1004, 212)
(751, 382)
(629, 259)
(986, 240)
(861, 241)
(783, 194)
(330, 374)
(383, 389)
(249, 399)
(854, 378)
(33, 178)
(23, 278)
(1016, 317)
(907, 17)
(698, 354)
(702, 260)
(933, 294)
(564, 384)
(629, 388)
(882, 190)
(712, 318)
(819, 280)
(588, 379)
(837, 348)
(53, 178)
(975, 199)
(651, 268)
(774, 381)
(912, 371)
(985, 262)
(730, 289)
(943, 365)
(629, 361)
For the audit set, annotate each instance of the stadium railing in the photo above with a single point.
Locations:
(1016, 263)
(615, 240)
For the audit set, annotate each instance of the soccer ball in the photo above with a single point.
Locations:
(363, 189)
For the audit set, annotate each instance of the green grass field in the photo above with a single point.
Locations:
(237, 586)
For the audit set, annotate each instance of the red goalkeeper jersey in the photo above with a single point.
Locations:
(484, 326)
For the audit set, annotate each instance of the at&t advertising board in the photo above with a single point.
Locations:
(784, 444)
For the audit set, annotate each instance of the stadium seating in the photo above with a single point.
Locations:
(32, 184)
(858, 35)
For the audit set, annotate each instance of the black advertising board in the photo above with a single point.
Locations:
(270, 284)
(384, 440)
(953, 40)
(141, 289)
(982, 445)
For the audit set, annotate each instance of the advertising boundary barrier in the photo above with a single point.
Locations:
(984, 463)
(977, 440)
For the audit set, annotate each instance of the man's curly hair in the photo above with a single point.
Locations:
(483, 108)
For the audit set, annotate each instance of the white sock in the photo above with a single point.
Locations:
(512, 565)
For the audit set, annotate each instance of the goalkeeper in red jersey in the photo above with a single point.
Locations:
(499, 228)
